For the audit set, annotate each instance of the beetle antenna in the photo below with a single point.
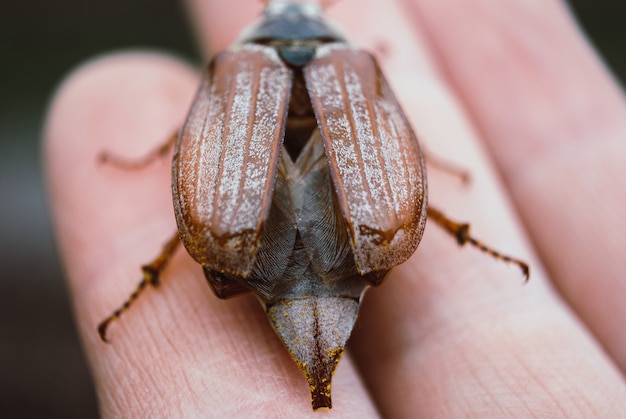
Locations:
(134, 164)
(151, 273)
(461, 232)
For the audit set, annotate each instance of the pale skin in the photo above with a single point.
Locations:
(508, 90)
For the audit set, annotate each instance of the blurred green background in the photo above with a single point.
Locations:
(42, 368)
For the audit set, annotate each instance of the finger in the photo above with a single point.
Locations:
(555, 122)
(452, 333)
(218, 24)
(179, 351)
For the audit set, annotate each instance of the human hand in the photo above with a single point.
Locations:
(450, 333)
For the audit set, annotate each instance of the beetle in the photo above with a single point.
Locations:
(298, 177)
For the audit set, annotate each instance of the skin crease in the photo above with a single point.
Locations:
(534, 118)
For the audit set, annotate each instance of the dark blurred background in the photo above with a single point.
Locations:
(42, 368)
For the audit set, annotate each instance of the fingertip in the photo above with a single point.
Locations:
(219, 24)
(127, 102)
(98, 91)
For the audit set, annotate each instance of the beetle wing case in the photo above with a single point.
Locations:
(374, 157)
(227, 155)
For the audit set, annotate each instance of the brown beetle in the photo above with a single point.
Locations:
(297, 176)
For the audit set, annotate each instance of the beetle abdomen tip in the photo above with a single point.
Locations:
(315, 330)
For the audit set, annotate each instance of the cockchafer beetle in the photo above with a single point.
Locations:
(297, 176)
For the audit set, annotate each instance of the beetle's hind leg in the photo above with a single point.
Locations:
(461, 232)
(151, 273)
(141, 162)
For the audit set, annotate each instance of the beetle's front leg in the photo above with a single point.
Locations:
(151, 273)
(140, 163)
(460, 231)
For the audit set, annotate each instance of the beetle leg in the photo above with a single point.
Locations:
(151, 273)
(132, 164)
(461, 232)
(222, 286)
(447, 166)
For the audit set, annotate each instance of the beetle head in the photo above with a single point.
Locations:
(294, 29)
